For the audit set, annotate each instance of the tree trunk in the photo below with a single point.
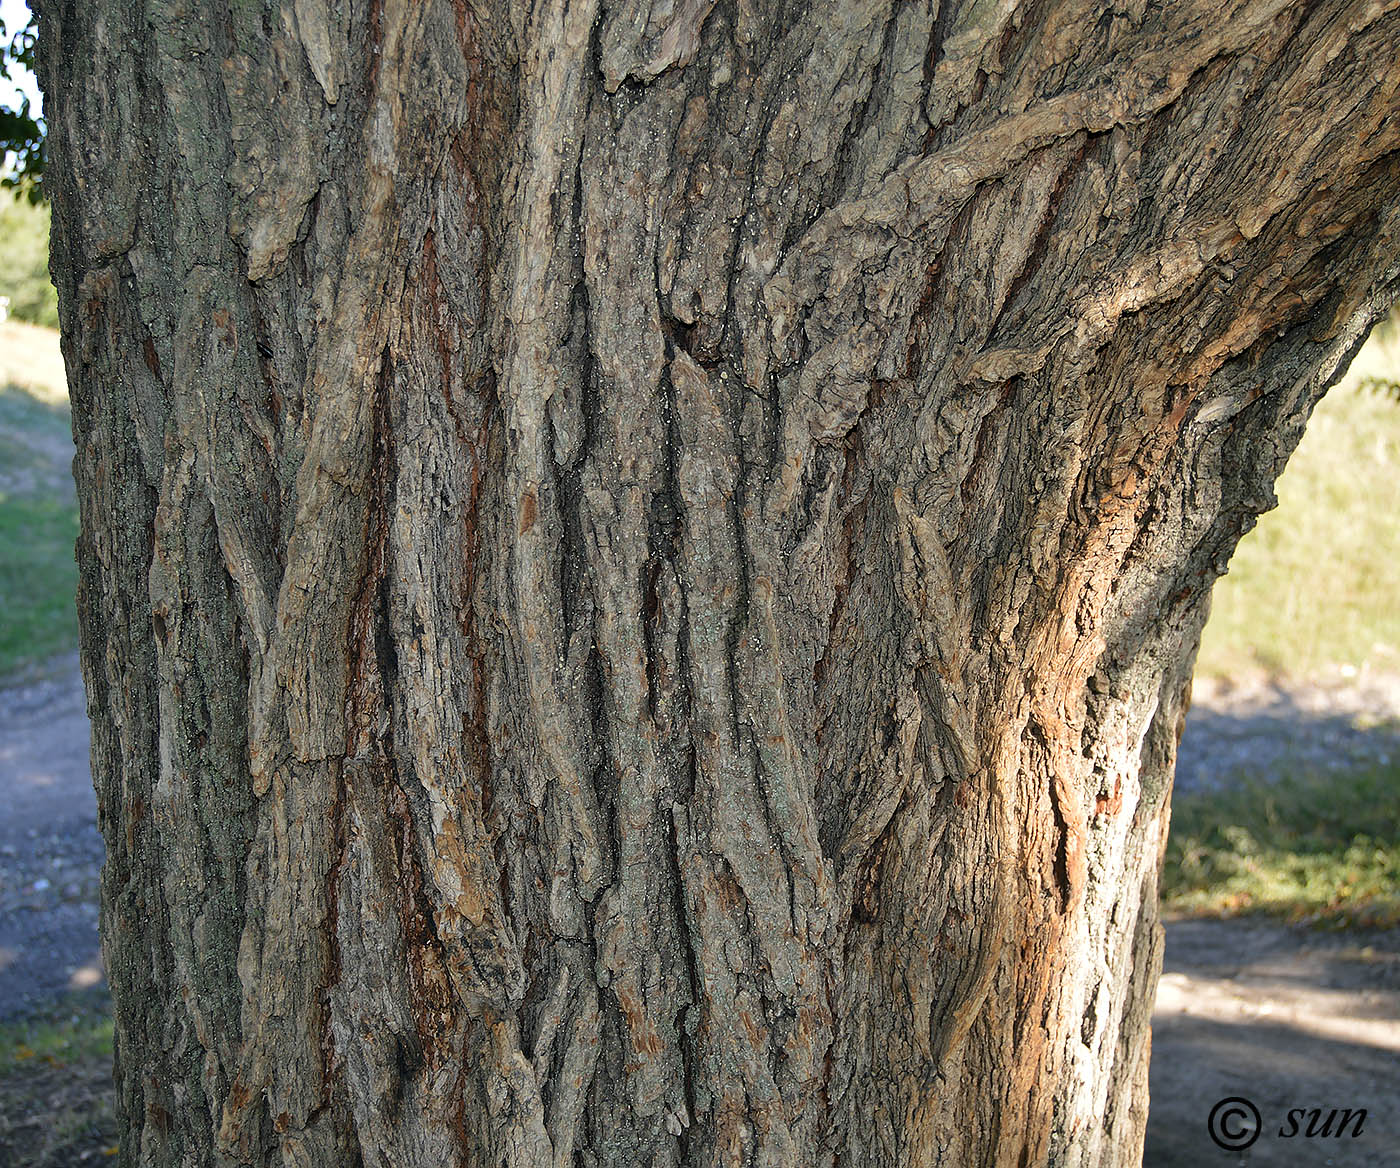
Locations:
(641, 560)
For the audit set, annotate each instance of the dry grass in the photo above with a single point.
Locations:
(30, 359)
(1313, 590)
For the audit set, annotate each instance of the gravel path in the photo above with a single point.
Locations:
(50, 848)
(1290, 1019)
(1261, 726)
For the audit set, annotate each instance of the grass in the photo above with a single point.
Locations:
(56, 1097)
(74, 1029)
(1317, 848)
(1311, 592)
(1312, 589)
(30, 360)
(35, 432)
(38, 509)
(38, 579)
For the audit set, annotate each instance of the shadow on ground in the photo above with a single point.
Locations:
(1288, 1019)
(1263, 726)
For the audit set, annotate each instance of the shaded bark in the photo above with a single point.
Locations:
(641, 562)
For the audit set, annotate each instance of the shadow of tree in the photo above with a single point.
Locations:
(1287, 1019)
(36, 444)
(1273, 727)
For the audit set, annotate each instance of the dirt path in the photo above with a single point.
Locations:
(1258, 725)
(1283, 1017)
(1287, 1019)
(50, 848)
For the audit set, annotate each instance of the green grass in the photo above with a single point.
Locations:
(56, 1097)
(38, 579)
(1312, 592)
(75, 1028)
(1313, 588)
(35, 437)
(38, 508)
(1317, 848)
(24, 248)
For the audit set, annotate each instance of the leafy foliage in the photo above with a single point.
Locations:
(21, 130)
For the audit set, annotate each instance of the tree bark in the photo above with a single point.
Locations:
(641, 561)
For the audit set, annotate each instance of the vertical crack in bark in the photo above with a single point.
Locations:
(684, 1022)
(844, 178)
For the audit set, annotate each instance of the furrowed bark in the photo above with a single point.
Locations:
(641, 563)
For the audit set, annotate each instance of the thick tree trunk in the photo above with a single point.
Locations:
(641, 560)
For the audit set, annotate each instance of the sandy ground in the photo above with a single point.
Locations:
(1286, 1018)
